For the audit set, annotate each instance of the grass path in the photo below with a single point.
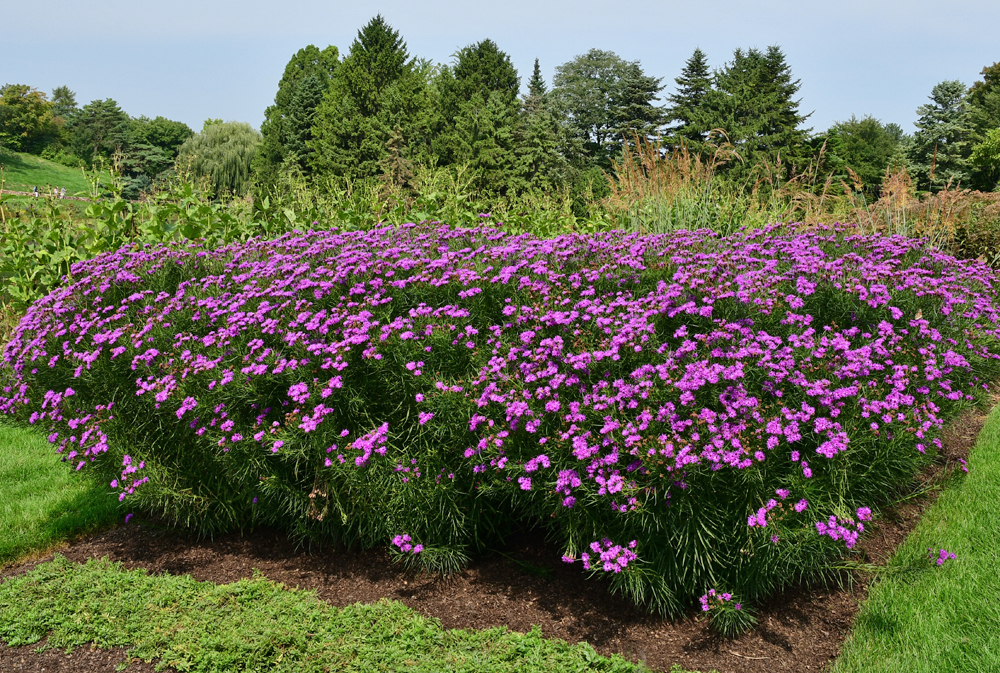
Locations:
(257, 625)
(948, 618)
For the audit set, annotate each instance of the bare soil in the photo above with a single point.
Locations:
(801, 630)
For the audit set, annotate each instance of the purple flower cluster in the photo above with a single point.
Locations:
(942, 556)
(611, 557)
(613, 386)
(846, 530)
(714, 599)
(404, 544)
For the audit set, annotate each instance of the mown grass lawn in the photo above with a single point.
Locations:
(42, 503)
(24, 171)
(947, 618)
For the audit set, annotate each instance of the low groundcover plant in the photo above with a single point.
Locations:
(679, 411)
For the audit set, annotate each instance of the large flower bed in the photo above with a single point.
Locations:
(681, 412)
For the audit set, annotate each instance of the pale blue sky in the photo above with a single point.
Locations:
(189, 60)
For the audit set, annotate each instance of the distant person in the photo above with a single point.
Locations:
(62, 193)
(34, 191)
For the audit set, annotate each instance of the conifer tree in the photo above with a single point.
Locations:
(478, 114)
(539, 163)
(753, 102)
(63, 102)
(940, 149)
(287, 126)
(376, 91)
(686, 104)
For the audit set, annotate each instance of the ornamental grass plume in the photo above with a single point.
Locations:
(458, 384)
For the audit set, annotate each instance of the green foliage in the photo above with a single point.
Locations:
(478, 104)
(693, 86)
(866, 146)
(26, 119)
(287, 127)
(222, 152)
(539, 165)
(375, 91)
(603, 100)
(753, 103)
(64, 103)
(985, 158)
(257, 625)
(939, 151)
(162, 133)
(98, 130)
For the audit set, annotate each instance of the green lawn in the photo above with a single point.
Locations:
(257, 625)
(945, 618)
(24, 171)
(42, 501)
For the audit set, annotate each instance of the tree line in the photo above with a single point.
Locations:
(378, 113)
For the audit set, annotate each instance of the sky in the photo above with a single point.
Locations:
(190, 60)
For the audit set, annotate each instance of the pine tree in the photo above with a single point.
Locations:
(376, 90)
(539, 165)
(287, 126)
(940, 149)
(693, 86)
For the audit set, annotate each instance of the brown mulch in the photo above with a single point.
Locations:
(801, 630)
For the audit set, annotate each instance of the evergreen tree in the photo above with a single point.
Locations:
(478, 102)
(693, 86)
(603, 101)
(287, 127)
(536, 140)
(63, 102)
(536, 85)
(376, 91)
(99, 129)
(753, 102)
(940, 149)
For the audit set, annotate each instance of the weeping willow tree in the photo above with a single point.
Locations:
(222, 152)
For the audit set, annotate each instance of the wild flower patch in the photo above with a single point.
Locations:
(680, 412)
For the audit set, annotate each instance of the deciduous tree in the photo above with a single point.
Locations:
(25, 118)
(222, 152)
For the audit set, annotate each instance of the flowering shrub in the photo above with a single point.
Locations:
(673, 390)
